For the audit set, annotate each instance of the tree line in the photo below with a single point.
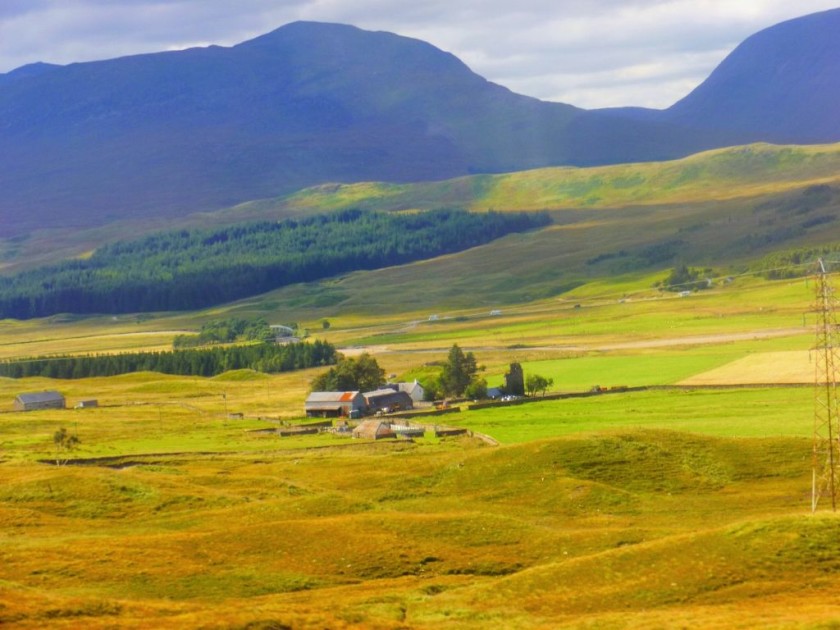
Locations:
(262, 357)
(191, 269)
(226, 331)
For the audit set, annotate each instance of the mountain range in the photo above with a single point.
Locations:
(167, 134)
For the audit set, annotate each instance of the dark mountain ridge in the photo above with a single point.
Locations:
(780, 85)
(166, 134)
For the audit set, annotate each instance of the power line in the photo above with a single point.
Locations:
(826, 447)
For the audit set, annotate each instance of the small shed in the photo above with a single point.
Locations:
(373, 430)
(387, 399)
(334, 404)
(39, 400)
(87, 404)
(494, 392)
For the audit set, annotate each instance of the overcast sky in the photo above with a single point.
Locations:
(589, 53)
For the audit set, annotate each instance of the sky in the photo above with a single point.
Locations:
(588, 53)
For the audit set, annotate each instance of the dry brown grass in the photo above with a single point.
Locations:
(396, 536)
(793, 366)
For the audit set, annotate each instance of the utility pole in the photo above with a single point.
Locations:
(826, 449)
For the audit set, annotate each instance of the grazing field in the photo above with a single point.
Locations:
(766, 412)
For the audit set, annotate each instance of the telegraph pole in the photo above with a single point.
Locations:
(826, 449)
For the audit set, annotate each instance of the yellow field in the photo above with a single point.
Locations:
(664, 527)
(765, 367)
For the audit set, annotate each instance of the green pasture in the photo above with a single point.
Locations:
(758, 413)
(576, 371)
(598, 314)
(606, 314)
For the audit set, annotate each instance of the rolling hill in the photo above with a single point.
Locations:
(725, 208)
(162, 135)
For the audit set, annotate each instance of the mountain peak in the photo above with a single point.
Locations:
(781, 84)
(309, 103)
(29, 70)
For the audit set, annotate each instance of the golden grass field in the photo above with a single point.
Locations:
(178, 516)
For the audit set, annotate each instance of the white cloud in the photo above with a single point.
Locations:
(590, 54)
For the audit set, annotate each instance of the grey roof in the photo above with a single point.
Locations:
(378, 393)
(326, 397)
(40, 397)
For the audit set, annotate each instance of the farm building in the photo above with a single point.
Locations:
(414, 390)
(387, 399)
(283, 334)
(87, 404)
(39, 400)
(334, 404)
(494, 392)
(373, 430)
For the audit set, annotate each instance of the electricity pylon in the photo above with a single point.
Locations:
(826, 451)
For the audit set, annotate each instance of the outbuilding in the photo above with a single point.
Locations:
(387, 399)
(415, 390)
(39, 400)
(494, 392)
(373, 430)
(334, 404)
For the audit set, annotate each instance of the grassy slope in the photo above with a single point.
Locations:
(653, 199)
(446, 535)
(713, 175)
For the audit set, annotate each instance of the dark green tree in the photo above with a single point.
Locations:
(64, 444)
(264, 357)
(515, 380)
(535, 383)
(458, 372)
(477, 389)
(685, 278)
(360, 374)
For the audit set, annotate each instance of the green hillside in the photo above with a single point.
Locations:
(710, 176)
(723, 209)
